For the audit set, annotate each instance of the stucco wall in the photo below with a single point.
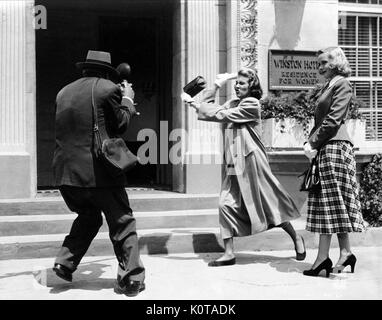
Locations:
(294, 25)
(306, 25)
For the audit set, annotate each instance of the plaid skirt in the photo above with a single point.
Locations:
(335, 208)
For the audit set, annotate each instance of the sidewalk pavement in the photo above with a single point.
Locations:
(257, 275)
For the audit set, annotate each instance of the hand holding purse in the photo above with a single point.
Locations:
(195, 86)
(311, 180)
(186, 98)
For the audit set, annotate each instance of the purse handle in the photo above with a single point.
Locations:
(316, 157)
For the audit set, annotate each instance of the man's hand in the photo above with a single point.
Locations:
(222, 78)
(309, 152)
(128, 94)
(127, 91)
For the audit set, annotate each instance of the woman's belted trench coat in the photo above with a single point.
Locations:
(252, 200)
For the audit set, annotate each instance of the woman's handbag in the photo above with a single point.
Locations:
(311, 180)
(195, 86)
(112, 152)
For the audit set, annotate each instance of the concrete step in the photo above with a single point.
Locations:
(186, 224)
(139, 201)
(175, 240)
(151, 241)
(21, 225)
(34, 236)
(40, 235)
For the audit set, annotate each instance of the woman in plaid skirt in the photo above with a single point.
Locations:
(335, 207)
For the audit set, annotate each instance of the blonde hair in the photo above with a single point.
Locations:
(337, 60)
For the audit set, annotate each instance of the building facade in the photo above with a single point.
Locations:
(168, 43)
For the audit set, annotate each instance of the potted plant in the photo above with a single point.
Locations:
(355, 123)
(288, 118)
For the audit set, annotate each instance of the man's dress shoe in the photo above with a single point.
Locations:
(130, 288)
(63, 272)
(216, 263)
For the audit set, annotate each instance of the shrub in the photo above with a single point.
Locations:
(300, 105)
(355, 105)
(281, 105)
(371, 191)
(296, 105)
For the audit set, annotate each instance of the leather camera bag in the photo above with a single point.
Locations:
(195, 86)
(112, 152)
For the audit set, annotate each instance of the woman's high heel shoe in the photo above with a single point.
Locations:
(350, 261)
(325, 265)
(301, 256)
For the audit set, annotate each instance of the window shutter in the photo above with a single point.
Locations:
(363, 1)
(346, 30)
(360, 38)
(378, 86)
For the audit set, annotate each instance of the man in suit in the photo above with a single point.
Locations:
(82, 179)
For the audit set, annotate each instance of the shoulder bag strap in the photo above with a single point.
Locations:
(97, 144)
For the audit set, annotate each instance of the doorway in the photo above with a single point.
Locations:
(139, 33)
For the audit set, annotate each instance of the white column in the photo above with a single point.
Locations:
(17, 99)
(12, 76)
(202, 165)
(202, 59)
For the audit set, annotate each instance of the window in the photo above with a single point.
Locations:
(360, 36)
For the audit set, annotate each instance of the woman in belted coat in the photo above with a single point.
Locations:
(252, 200)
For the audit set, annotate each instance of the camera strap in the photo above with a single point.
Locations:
(99, 131)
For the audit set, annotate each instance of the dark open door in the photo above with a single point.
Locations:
(134, 40)
(140, 34)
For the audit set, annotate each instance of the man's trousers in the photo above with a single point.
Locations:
(88, 203)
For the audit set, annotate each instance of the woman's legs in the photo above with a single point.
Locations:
(228, 250)
(323, 249)
(297, 239)
(344, 243)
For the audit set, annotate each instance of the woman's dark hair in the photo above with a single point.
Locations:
(254, 82)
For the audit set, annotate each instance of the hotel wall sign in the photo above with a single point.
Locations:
(293, 70)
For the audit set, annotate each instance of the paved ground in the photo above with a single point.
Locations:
(257, 275)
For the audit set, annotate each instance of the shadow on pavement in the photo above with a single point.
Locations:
(281, 264)
(206, 243)
(86, 277)
(154, 244)
(202, 244)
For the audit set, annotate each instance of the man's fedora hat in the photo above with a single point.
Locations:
(100, 60)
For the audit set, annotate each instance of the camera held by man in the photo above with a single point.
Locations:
(124, 71)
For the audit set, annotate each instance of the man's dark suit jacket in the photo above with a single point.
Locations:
(330, 114)
(74, 161)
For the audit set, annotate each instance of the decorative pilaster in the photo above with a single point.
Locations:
(248, 33)
(12, 76)
(202, 59)
(199, 172)
(17, 99)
